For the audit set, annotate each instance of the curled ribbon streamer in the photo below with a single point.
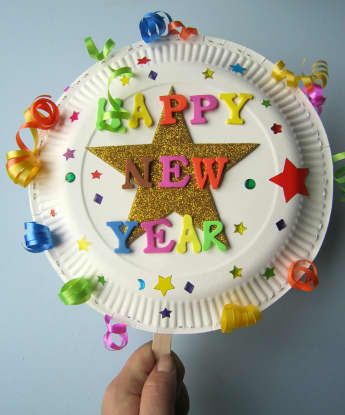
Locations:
(94, 52)
(77, 291)
(38, 238)
(118, 328)
(178, 28)
(315, 94)
(154, 25)
(109, 120)
(24, 164)
(339, 175)
(319, 74)
(297, 270)
(235, 316)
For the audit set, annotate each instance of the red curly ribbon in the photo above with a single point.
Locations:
(178, 28)
(24, 164)
(297, 270)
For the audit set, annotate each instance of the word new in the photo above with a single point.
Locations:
(156, 238)
(206, 170)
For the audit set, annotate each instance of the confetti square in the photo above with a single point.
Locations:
(189, 287)
(281, 224)
(98, 198)
(153, 75)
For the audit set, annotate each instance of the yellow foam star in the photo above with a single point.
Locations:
(124, 80)
(240, 228)
(236, 272)
(208, 73)
(83, 244)
(164, 284)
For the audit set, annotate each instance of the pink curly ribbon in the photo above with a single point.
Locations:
(118, 328)
(315, 94)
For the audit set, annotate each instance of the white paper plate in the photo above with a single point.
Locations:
(303, 141)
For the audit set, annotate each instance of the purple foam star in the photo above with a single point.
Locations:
(69, 154)
(165, 313)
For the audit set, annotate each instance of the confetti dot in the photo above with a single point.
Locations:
(189, 287)
(250, 184)
(281, 224)
(98, 198)
(70, 177)
(153, 75)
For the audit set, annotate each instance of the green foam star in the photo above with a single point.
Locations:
(101, 280)
(266, 103)
(269, 272)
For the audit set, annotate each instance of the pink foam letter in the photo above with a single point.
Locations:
(172, 170)
(199, 108)
(153, 237)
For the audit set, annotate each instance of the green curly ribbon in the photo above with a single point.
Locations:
(77, 291)
(110, 120)
(339, 175)
(94, 52)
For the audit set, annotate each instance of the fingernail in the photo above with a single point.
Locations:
(165, 364)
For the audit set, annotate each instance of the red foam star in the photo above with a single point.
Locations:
(96, 174)
(74, 116)
(143, 61)
(292, 180)
(276, 128)
(52, 212)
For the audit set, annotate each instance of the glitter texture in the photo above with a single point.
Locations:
(156, 202)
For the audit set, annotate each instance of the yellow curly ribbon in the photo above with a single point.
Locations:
(235, 316)
(24, 164)
(319, 74)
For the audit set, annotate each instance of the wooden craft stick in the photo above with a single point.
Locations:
(161, 344)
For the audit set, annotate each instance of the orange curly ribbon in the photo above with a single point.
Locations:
(297, 270)
(178, 28)
(24, 164)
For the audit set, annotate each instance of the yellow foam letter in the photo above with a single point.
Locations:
(235, 107)
(188, 234)
(140, 111)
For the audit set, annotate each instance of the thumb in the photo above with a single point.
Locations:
(159, 392)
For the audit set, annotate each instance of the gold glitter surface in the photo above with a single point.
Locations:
(156, 202)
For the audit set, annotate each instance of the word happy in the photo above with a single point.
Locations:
(177, 103)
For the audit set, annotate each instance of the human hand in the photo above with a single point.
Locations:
(148, 387)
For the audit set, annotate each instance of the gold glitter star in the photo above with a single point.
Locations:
(236, 272)
(208, 73)
(159, 202)
(240, 228)
(83, 244)
(124, 80)
(164, 284)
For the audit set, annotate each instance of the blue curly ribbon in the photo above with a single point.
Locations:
(38, 238)
(154, 25)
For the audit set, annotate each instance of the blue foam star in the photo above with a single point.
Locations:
(165, 313)
(237, 68)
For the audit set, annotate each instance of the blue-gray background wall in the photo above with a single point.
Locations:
(51, 356)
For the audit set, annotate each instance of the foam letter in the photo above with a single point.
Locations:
(173, 171)
(132, 171)
(153, 238)
(169, 109)
(210, 235)
(122, 230)
(188, 234)
(199, 109)
(202, 174)
(140, 111)
(235, 107)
